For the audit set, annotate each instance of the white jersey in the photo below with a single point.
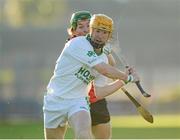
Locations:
(102, 80)
(73, 71)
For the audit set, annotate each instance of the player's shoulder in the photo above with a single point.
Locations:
(78, 42)
(108, 45)
(77, 39)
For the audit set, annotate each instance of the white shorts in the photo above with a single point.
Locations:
(57, 110)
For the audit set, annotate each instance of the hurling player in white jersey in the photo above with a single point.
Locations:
(100, 116)
(68, 88)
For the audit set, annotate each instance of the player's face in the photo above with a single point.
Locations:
(82, 28)
(99, 36)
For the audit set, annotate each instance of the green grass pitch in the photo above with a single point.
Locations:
(126, 127)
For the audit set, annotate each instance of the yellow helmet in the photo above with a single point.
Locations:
(101, 21)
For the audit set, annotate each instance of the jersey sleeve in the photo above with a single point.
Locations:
(84, 53)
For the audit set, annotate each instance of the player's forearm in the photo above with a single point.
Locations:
(109, 89)
(110, 72)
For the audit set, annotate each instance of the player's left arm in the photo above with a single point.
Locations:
(102, 92)
(107, 50)
(111, 60)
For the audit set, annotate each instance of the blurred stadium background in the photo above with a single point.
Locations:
(33, 33)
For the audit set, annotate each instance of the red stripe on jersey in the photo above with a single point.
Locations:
(92, 95)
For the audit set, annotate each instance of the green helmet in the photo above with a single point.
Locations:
(78, 16)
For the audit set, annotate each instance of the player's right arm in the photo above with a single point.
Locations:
(114, 73)
(110, 72)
